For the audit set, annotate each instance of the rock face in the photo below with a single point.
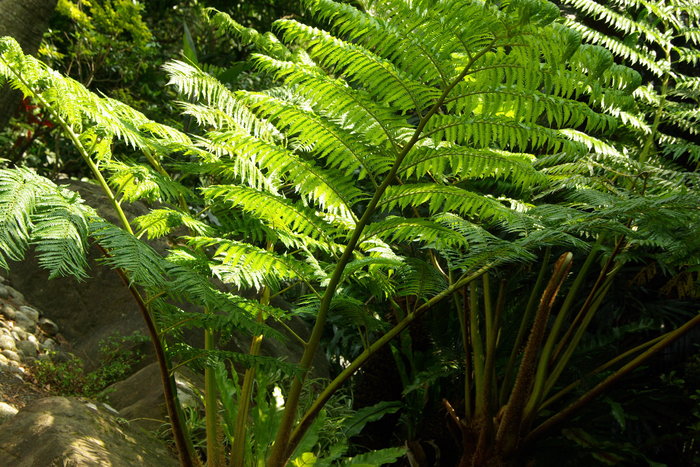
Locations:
(59, 431)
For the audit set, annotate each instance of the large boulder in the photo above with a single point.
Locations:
(60, 431)
(139, 398)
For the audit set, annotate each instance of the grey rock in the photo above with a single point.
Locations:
(66, 431)
(24, 322)
(19, 334)
(4, 292)
(30, 313)
(49, 345)
(6, 412)
(49, 327)
(15, 294)
(8, 311)
(7, 342)
(28, 348)
(11, 355)
(4, 360)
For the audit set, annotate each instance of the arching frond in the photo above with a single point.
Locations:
(277, 212)
(400, 230)
(244, 265)
(459, 163)
(441, 198)
(199, 86)
(160, 222)
(340, 147)
(378, 76)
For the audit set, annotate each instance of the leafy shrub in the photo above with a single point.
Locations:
(67, 376)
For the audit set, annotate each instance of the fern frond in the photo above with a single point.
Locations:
(160, 222)
(244, 265)
(137, 181)
(334, 192)
(376, 75)
(400, 230)
(441, 198)
(266, 43)
(198, 85)
(460, 163)
(352, 108)
(277, 212)
(143, 265)
(342, 148)
(419, 279)
(34, 211)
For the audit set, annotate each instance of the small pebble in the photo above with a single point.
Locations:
(6, 412)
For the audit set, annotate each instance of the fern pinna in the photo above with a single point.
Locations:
(403, 143)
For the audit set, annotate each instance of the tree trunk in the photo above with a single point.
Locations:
(26, 21)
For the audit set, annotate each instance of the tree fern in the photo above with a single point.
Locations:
(404, 151)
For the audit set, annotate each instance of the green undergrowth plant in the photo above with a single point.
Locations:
(67, 376)
(403, 154)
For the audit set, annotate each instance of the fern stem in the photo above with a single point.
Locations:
(508, 433)
(239, 440)
(239, 435)
(545, 358)
(564, 414)
(462, 312)
(282, 448)
(214, 451)
(477, 347)
(182, 440)
(600, 368)
(522, 331)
